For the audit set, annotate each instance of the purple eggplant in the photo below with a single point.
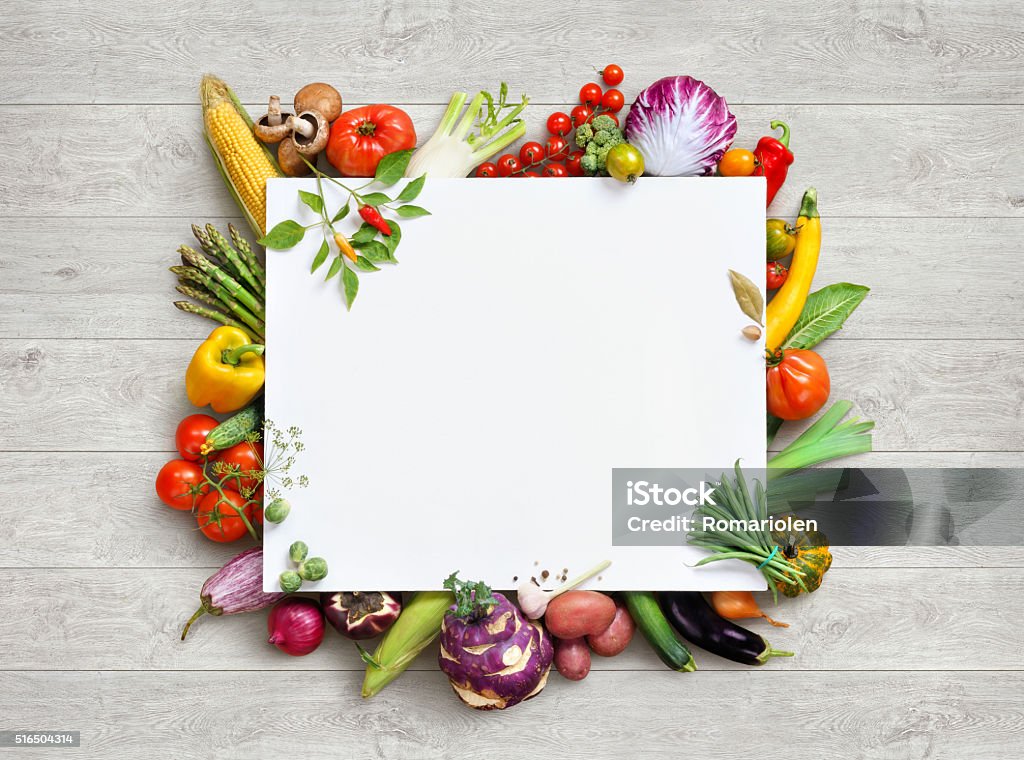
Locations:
(236, 587)
(361, 615)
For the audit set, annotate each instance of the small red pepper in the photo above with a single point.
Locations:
(773, 159)
(372, 217)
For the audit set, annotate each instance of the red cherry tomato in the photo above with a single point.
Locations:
(555, 170)
(180, 484)
(572, 164)
(486, 169)
(219, 519)
(581, 115)
(362, 136)
(508, 165)
(777, 275)
(590, 94)
(556, 148)
(559, 123)
(255, 509)
(612, 100)
(244, 465)
(531, 153)
(191, 434)
(798, 385)
(612, 74)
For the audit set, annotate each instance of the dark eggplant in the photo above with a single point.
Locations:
(697, 622)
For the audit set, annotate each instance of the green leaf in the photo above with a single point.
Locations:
(392, 167)
(364, 234)
(410, 191)
(392, 240)
(748, 296)
(312, 200)
(375, 251)
(342, 213)
(774, 423)
(336, 266)
(375, 199)
(350, 283)
(321, 256)
(824, 313)
(363, 264)
(410, 212)
(287, 234)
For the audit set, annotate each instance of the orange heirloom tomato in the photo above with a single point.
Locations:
(737, 163)
(798, 384)
(361, 137)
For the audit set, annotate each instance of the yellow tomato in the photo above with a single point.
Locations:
(737, 163)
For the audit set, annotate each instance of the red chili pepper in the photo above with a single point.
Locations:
(773, 158)
(372, 217)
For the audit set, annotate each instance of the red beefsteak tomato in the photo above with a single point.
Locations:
(798, 384)
(360, 138)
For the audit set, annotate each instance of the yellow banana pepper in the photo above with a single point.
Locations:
(784, 309)
(226, 371)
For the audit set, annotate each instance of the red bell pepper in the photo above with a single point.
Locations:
(773, 159)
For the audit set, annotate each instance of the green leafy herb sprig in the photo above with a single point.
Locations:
(473, 599)
(373, 247)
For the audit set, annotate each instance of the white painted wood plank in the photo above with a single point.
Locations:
(864, 160)
(728, 716)
(102, 512)
(832, 51)
(110, 279)
(117, 395)
(871, 619)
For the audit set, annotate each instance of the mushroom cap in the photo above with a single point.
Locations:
(290, 161)
(271, 133)
(312, 145)
(319, 97)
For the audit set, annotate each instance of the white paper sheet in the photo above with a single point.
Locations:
(467, 412)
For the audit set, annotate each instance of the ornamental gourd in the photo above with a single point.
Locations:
(808, 552)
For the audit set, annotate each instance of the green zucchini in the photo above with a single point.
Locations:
(647, 615)
(234, 429)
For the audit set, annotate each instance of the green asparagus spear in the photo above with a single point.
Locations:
(237, 262)
(193, 275)
(223, 278)
(248, 255)
(215, 315)
(199, 294)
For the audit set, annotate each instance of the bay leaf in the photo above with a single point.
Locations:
(748, 296)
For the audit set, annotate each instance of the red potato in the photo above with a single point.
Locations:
(616, 637)
(572, 658)
(579, 613)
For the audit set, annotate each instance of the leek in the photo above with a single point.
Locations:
(828, 438)
(460, 145)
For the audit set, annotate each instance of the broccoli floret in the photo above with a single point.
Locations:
(602, 137)
(589, 163)
(603, 122)
(584, 134)
(602, 157)
(615, 138)
(592, 148)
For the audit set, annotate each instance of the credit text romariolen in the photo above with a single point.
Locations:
(678, 523)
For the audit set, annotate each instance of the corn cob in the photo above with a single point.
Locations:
(244, 163)
(238, 263)
(248, 255)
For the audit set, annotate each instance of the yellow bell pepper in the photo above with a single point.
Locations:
(226, 371)
(785, 308)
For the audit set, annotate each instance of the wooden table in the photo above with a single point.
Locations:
(907, 118)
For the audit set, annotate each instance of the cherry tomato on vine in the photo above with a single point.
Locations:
(556, 148)
(245, 459)
(737, 163)
(486, 169)
(555, 170)
(191, 434)
(255, 509)
(531, 153)
(797, 384)
(581, 115)
(572, 164)
(531, 174)
(559, 123)
(612, 74)
(218, 517)
(181, 484)
(590, 94)
(508, 165)
(777, 275)
(612, 100)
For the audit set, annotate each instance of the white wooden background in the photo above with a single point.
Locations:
(906, 116)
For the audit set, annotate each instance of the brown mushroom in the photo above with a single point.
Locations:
(272, 127)
(321, 98)
(309, 132)
(290, 160)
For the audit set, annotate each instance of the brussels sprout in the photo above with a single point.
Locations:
(277, 510)
(298, 551)
(290, 581)
(313, 569)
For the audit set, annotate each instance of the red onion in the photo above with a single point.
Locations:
(296, 626)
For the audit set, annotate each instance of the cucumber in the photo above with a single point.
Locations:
(647, 615)
(233, 430)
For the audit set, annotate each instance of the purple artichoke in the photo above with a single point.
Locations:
(493, 656)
